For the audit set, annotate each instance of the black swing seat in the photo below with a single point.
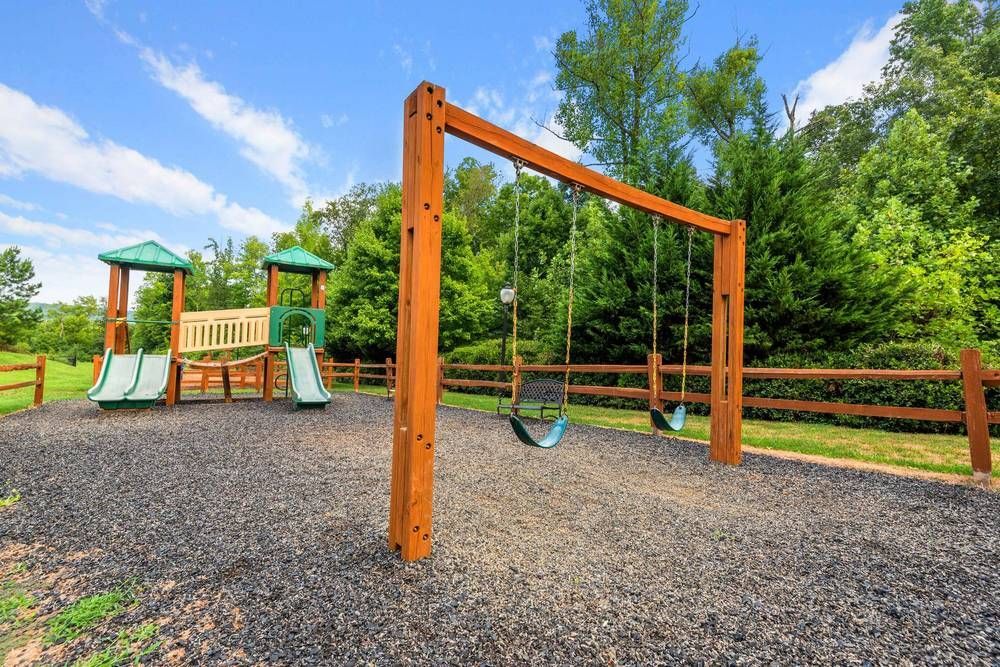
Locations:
(536, 396)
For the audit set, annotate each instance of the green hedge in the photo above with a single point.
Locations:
(905, 356)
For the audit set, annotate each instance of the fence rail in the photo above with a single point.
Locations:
(974, 378)
(38, 383)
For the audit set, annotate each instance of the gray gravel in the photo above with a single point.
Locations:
(259, 534)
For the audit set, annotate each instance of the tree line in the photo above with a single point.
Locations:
(872, 223)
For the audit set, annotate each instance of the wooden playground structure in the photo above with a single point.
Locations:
(217, 330)
(427, 117)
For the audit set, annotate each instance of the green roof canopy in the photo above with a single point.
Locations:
(297, 260)
(148, 256)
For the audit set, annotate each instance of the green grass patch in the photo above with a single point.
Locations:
(130, 646)
(13, 601)
(11, 498)
(61, 381)
(931, 452)
(86, 613)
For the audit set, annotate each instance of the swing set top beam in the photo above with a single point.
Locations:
(486, 135)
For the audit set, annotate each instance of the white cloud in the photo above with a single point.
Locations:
(59, 236)
(543, 43)
(60, 265)
(45, 140)
(10, 202)
(328, 121)
(267, 139)
(845, 77)
(405, 58)
(64, 277)
(96, 7)
(523, 117)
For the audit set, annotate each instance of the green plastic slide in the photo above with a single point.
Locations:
(150, 381)
(305, 378)
(130, 380)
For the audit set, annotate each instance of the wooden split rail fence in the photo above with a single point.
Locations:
(38, 383)
(971, 374)
(974, 378)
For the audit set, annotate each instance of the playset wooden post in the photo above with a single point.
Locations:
(426, 118)
(176, 308)
(121, 328)
(111, 310)
(976, 417)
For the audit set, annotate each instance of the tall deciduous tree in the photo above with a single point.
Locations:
(622, 85)
(907, 204)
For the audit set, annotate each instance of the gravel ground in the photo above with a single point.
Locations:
(258, 534)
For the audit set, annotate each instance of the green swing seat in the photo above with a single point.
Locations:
(676, 421)
(551, 438)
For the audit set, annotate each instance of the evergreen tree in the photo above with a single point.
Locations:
(17, 316)
(364, 289)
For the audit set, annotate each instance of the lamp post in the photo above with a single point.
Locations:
(507, 296)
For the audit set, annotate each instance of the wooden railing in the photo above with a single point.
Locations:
(246, 376)
(38, 383)
(224, 329)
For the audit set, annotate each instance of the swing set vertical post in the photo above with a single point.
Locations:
(727, 345)
(417, 335)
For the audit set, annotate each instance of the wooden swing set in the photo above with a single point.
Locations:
(427, 117)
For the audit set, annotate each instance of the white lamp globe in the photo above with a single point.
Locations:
(507, 295)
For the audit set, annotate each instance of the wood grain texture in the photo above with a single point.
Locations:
(411, 495)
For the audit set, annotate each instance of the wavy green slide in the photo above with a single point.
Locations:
(130, 380)
(305, 378)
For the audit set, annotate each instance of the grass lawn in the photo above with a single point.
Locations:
(930, 452)
(923, 451)
(61, 381)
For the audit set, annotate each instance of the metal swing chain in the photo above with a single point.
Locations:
(687, 310)
(569, 306)
(518, 166)
(656, 288)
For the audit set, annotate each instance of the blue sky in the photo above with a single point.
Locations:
(122, 121)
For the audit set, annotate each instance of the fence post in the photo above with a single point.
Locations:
(357, 375)
(440, 380)
(390, 375)
(258, 367)
(39, 379)
(98, 362)
(976, 418)
(515, 379)
(654, 379)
